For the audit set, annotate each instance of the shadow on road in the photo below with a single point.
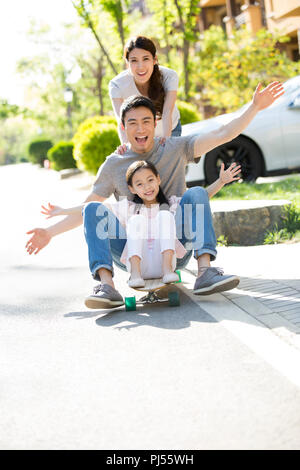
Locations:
(155, 315)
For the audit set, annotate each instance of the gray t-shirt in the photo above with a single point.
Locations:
(170, 161)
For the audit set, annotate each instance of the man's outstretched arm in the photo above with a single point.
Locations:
(42, 236)
(261, 100)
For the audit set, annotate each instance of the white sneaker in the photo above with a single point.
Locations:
(137, 282)
(170, 277)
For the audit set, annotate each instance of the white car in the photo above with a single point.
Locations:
(269, 145)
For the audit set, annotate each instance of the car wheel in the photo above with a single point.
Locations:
(241, 151)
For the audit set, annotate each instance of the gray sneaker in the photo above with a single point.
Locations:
(104, 296)
(213, 280)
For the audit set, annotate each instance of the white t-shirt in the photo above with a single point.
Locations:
(123, 86)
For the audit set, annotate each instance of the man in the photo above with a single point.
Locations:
(170, 159)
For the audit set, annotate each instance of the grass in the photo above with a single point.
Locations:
(288, 189)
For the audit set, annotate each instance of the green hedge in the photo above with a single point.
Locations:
(188, 112)
(95, 139)
(37, 150)
(61, 156)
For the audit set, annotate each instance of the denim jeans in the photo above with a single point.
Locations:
(176, 132)
(106, 237)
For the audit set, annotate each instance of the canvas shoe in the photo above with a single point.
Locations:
(136, 282)
(170, 277)
(213, 280)
(104, 296)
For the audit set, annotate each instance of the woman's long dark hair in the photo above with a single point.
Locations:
(139, 165)
(156, 90)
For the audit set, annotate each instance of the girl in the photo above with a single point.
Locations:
(152, 246)
(145, 77)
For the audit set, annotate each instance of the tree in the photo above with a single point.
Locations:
(187, 11)
(229, 70)
(162, 25)
(176, 24)
(87, 10)
(117, 9)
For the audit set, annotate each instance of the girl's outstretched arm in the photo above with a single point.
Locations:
(225, 177)
(53, 211)
(40, 237)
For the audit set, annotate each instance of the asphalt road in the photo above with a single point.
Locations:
(157, 378)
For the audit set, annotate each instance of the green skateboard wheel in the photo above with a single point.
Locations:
(174, 299)
(179, 275)
(130, 304)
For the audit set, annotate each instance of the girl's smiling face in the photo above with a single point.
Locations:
(146, 185)
(141, 64)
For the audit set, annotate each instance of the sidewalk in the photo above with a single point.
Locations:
(269, 290)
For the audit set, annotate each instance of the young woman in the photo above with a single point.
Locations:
(145, 77)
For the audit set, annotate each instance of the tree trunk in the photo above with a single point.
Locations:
(84, 14)
(186, 50)
(100, 75)
(186, 53)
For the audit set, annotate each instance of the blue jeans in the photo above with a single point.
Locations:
(106, 237)
(176, 132)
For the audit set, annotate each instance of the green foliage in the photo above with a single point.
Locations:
(277, 236)
(90, 123)
(175, 26)
(116, 9)
(291, 218)
(8, 110)
(291, 225)
(222, 241)
(38, 150)
(94, 141)
(61, 156)
(188, 112)
(288, 189)
(229, 70)
(15, 135)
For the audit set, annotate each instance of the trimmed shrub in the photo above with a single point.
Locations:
(188, 112)
(37, 150)
(90, 122)
(95, 139)
(61, 156)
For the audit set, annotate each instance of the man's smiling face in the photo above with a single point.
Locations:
(140, 128)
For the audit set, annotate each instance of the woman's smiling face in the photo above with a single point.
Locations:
(141, 64)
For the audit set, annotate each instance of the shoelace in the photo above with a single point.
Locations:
(98, 288)
(219, 270)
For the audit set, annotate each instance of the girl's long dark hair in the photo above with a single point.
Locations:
(156, 90)
(138, 165)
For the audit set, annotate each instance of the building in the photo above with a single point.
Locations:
(271, 14)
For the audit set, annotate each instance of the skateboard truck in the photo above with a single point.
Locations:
(152, 297)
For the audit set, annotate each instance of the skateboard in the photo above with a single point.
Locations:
(152, 286)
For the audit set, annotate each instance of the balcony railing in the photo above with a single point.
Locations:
(240, 20)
